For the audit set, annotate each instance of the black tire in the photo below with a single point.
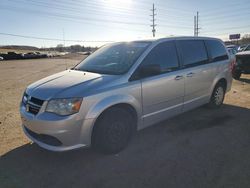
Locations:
(113, 130)
(218, 96)
(236, 74)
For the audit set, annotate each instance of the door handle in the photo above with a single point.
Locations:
(178, 77)
(190, 74)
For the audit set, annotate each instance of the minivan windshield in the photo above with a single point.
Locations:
(113, 59)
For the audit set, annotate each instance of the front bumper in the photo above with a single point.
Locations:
(63, 132)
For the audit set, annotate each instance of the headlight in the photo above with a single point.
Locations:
(64, 106)
(25, 98)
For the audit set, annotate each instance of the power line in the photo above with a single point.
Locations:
(77, 10)
(93, 6)
(95, 11)
(229, 17)
(228, 28)
(225, 7)
(78, 17)
(90, 5)
(96, 4)
(84, 19)
(41, 4)
(52, 39)
(169, 25)
(61, 6)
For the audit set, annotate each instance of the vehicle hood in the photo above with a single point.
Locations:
(68, 84)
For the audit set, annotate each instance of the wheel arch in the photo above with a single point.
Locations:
(127, 102)
(128, 107)
(221, 80)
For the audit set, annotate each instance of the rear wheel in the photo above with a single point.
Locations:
(113, 130)
(218, 95)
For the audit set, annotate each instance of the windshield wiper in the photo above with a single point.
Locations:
(96, 71)
(76, 69)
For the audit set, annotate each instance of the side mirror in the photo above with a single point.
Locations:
(150, 70)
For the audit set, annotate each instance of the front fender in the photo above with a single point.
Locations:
(95, 111)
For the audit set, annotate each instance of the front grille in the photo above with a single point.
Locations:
(36, 101)
(32, 104)
(47, 139)
(33, 109)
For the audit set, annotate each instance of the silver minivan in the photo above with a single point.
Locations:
(124, 87)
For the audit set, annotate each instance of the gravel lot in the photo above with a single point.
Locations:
(201, 148)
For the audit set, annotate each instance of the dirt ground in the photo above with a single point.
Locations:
(201, 148)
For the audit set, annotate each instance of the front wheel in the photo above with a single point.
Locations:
(218, 96)
(113, 130)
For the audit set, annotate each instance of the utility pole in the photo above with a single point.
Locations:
(197, 24)
(63, 40)
(66, 65)
(153, 20)
(195, 33)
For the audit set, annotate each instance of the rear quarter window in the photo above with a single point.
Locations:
(217, 50)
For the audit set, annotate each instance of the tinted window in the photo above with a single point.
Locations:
(165, 55)
(217, 50)
(193, 52)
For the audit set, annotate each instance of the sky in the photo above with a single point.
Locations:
(96, 22)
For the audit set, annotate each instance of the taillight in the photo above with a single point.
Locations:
(232, 65)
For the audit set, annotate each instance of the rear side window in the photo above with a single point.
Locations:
(217, 50)
(193, 52)
(165, 55)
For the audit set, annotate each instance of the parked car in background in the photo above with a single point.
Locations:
(1, 58)
(86, 53)
(241, 47)
(247, 48)
(124, 87)
(11, 56)
(29, 55)
(233, 47)
(242, 65)
(40, 55)
(232, 51)
(34, 55)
